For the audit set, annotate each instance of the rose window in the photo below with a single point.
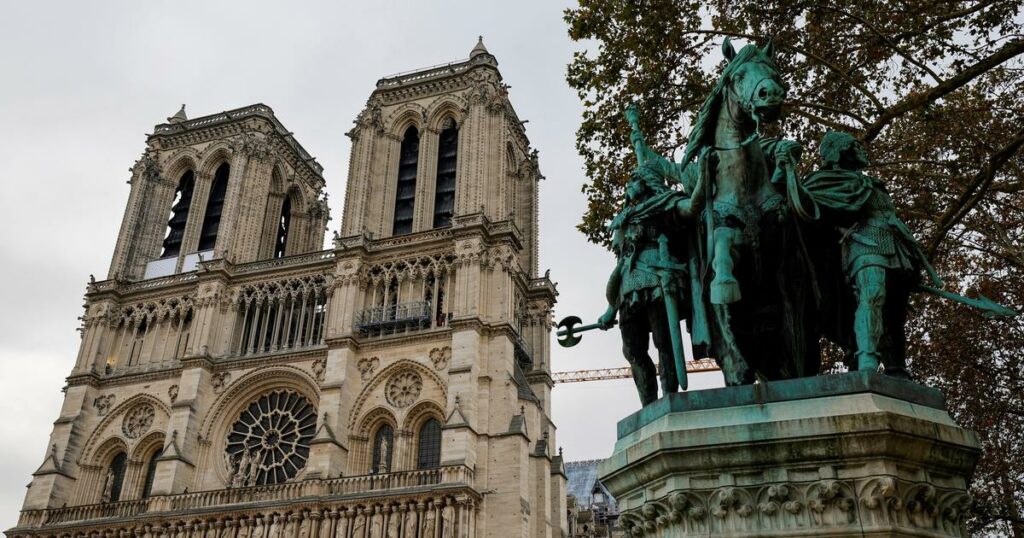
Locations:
(138, 421)
(269, 444)
(404, 388)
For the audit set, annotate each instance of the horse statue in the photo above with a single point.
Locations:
(752, 287)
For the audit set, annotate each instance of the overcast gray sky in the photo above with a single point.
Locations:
(83, 82)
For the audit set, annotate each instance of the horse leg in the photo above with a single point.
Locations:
(725, 289)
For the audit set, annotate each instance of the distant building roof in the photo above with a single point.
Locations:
(582, 478)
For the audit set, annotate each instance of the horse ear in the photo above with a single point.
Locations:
(769, 49)
(727, 50)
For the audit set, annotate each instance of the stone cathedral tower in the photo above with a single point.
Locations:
(236, 381)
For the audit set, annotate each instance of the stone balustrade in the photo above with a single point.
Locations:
(395, 484)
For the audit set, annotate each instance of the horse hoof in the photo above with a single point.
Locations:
(725, 292)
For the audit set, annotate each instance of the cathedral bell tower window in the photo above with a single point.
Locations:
(179, 215)
(283, 225)
(444, 191)
(214, 207)
(405, 193)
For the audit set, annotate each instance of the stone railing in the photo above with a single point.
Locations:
(455, 475)
(425, 73)
(289, 261)
(53, 516)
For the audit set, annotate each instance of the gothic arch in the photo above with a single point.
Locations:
(145, 445)
(212, 157)
(373, 419)
(448, 106)
(91, 452)
(299, 204)
(420, 413)
(404, 116)
(385, 374)
(279, 179)
(240, 394)
(182, 161)
(106, 451)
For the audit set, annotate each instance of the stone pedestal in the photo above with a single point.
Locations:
(857, 454)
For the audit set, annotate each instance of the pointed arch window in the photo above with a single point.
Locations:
(115, 478)
(383, 448)
(444, 189)
(214, 208)
(283, 227)
(179, 215)
(429, 453)
(147, 485)
(405, 194)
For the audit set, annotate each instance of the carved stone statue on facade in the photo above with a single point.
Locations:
(108, 486)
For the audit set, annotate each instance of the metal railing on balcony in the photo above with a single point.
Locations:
(389, 319)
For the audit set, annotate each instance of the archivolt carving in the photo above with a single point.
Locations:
(249, 386)
(212, 157)
(385, 374)
(118, 413)
(446, 106)
(404, 115)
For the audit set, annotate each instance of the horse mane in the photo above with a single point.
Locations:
(709, 110)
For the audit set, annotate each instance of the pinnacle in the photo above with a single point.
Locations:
(178, 116)
(479, 48)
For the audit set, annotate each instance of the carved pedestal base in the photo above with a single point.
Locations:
(856, 454)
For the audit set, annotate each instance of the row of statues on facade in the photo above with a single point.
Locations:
(760, 264)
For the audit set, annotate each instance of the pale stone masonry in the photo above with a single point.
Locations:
(236, 381)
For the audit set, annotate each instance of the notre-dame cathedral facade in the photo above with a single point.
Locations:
(235, 380)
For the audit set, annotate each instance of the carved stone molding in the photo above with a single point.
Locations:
(848, 455)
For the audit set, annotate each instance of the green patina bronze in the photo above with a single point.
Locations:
(758, 262)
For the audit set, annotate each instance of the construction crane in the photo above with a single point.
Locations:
(602, 374)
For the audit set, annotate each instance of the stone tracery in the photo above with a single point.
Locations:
(269, 443)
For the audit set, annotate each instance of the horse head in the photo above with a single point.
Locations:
(752, 81)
